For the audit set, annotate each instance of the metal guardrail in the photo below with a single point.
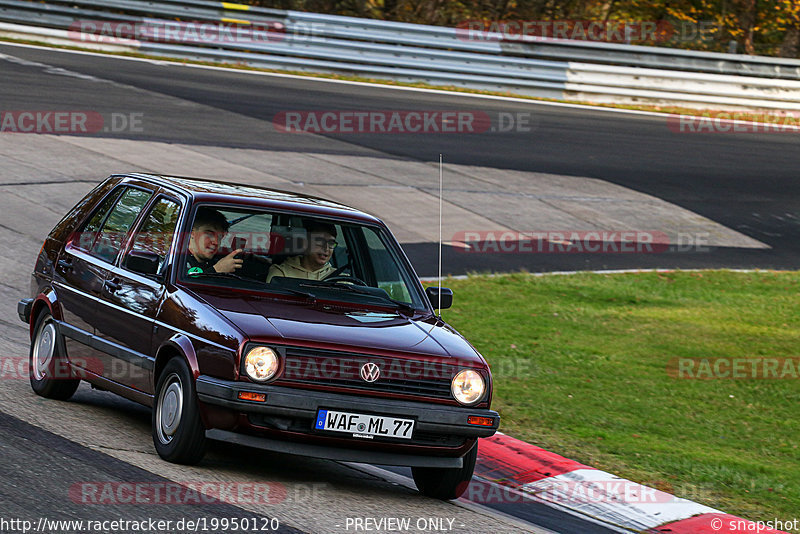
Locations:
(313, 42)
(537, 48)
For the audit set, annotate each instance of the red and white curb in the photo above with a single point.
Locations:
(534, 474)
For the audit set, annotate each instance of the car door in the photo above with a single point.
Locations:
(130, 300)
(100, 257)
(78, 281)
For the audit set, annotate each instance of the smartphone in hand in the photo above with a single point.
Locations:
(239, 243)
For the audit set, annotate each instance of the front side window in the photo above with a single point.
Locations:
(388, 275)
(289, 253)
(157, 230)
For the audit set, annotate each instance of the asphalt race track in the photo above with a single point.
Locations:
(739, 189)
(745, 182)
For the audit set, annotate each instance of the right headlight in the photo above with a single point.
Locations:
(261, 363)
(468, 387)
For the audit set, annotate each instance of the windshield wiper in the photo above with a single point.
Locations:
(355, 289)
(305, 294)
(226, 275)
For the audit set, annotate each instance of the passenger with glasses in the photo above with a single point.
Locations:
(313, 263)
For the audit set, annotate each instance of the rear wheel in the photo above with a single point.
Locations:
(446, 483)
(50, 374)
(178, 432)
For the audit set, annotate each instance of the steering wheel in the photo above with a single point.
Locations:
(339, 271)
(356, 281)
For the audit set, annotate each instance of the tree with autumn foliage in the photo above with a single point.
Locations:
(765, 27)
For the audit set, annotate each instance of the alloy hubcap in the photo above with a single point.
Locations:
(170, 408)
(43, 350)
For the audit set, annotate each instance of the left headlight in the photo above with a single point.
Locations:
(468, 387)
(261, 363)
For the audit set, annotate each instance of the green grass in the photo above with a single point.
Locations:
(580, 368)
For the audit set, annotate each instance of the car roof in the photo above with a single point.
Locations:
(204, 190)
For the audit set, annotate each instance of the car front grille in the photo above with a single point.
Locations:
(340, 369)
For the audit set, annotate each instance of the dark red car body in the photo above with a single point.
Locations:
(118, 329)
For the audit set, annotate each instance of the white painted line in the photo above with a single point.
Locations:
(607, 271)
(407, 482)
(350, 82)
(615, 500)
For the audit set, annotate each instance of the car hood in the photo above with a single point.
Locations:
(345, 326)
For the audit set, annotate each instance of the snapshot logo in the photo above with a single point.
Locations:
(167, 31)
(732, 122)
(758, 368)
(773, 526)
(69, 122)
(117, 493)
(562, 242)
(608, 31)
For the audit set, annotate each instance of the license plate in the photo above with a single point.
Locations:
(364, 426)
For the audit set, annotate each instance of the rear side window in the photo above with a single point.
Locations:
(117, 223)
(88, 234)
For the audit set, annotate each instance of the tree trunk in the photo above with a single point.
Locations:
(747, 21)
(790, 47)
(791, 43)
(389, 9)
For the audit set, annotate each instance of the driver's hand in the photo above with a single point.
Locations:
(229, 263)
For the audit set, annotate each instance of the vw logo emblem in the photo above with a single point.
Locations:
(370, 372)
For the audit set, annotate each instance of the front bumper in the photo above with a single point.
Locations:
(303, 404)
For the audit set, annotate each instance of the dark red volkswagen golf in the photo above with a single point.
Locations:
(258, 317)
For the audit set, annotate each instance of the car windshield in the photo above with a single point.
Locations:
(309, 257)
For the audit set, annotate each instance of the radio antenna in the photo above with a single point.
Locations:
(440, 235)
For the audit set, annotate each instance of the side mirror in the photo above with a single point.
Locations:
(143, 262)
(433, 296)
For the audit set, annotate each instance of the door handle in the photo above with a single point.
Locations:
(111, 285)
(65, 264)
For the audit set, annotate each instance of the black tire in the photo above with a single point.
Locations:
(50, 374)
(445, 483)
(178, 433)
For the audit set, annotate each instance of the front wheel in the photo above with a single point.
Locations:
(178, 432)
(50, 374)
(446, 483)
